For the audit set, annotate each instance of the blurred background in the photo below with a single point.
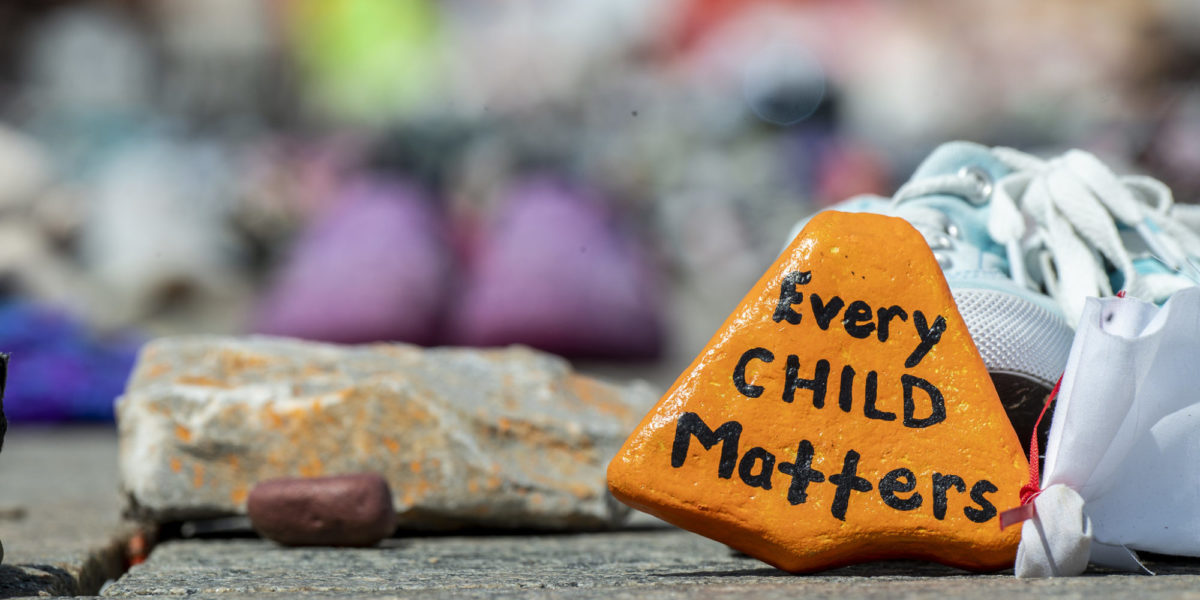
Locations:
(599, 179)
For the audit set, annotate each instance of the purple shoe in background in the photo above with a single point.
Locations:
(370, 269)
(60, 371)
(556, 272)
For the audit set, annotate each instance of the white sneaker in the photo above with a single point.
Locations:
(1022, 241)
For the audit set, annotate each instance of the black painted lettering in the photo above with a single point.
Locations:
(986, 509)
(746, 468)
(885, 317)
(929, 337)
(818, 384)
(846, 389)
(847, 481)
(891, 484)
(937, 403)
(690, 424)
(739, 372)
(942, 484)
(789, 295)
(824, 313)
(872, 391)
(802, 473)
(857, 320)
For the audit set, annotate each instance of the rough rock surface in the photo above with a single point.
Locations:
(341, 510)
(466, 438)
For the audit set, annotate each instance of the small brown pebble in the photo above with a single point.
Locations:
(342, 510)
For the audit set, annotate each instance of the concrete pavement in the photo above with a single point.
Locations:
(60, 511)
(59, 520)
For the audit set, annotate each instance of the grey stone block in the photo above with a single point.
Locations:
(466, 438)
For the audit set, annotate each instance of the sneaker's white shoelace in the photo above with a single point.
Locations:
(1063, 214)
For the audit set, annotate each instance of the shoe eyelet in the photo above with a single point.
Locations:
(984, 181)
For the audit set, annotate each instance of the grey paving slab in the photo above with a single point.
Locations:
(59, 511)
(59, 520)
(651, 564)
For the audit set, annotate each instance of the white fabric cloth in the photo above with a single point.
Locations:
(1125, 438)
(1059, 541)
(1060, 536)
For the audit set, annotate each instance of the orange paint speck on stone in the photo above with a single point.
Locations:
(392, 445)
(176, 465)
(183, 433)
(841, 414)
(583, 492)
(197, 475)
(157, 370)
(201, 382)
(312, 468)
(276, 420)
(586, 390)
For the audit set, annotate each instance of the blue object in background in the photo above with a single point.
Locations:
(59, 371)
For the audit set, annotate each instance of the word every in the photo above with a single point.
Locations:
(757, 467)
(859, 320)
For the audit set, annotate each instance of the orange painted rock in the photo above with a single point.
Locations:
(841, 414)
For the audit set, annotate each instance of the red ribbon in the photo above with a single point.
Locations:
(1030, 490)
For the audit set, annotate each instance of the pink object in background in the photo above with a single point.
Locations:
(370, 269)
(556, 272)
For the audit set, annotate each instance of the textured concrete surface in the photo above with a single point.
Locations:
(59, 511)
(656, 563)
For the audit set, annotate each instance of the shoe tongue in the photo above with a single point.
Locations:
(978, 250)
(951, 157)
